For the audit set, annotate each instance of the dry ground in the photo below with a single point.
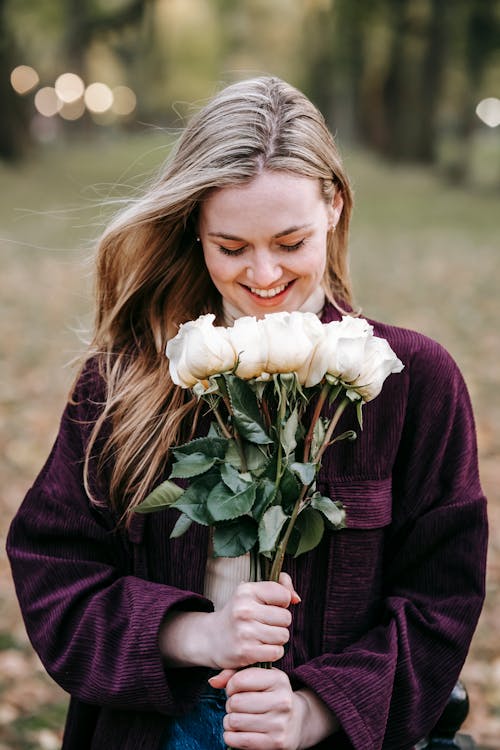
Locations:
(424, 255)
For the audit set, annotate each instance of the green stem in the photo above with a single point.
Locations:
(220, 422)
(280, 552)
(280, 419)
(328, 435)
(239, 444)
(317, 411)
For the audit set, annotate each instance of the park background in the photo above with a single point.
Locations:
(410, 88)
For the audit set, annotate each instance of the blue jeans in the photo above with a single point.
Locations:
(201, 729)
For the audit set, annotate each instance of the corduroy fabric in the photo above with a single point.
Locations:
(389, 604)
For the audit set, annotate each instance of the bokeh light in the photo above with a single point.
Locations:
(69, 87)
(124, 101)
(47, 102)
(24, 79)
(488, 110)
(72, 110)
(98, 97)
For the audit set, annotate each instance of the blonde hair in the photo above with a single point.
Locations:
(151, 275)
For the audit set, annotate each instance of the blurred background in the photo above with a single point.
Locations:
(92, 94)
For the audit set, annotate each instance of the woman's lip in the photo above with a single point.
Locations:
(270, 300)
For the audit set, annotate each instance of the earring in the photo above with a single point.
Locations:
(198, 239)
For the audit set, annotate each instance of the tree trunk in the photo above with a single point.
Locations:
(14, 123)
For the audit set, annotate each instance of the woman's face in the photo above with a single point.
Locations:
(264, 242)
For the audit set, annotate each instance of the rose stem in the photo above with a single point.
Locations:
(281, 417)
(280, 553)
(220, 422)
(237, 438)
(317, 411)
(328, 435)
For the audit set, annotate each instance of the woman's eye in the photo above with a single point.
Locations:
(231, 251)
(295, 246)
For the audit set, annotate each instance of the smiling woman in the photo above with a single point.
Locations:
(272, 256)
(156, 638)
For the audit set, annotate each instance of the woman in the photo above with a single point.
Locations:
(250, 215)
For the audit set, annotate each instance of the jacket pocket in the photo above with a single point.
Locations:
(367, 502)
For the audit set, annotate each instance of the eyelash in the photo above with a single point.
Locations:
(295, 246)
(238, 251)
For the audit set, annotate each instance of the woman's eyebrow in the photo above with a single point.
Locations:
(284, 233)
(291, 230)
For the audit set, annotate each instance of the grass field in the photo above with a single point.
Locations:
(424, 255)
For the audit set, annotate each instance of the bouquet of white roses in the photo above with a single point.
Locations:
(277, 388)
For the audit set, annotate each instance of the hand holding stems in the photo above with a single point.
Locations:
(251, 628)
(264, 713)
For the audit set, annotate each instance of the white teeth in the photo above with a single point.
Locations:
(268, 292)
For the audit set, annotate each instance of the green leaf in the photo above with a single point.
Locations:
(348, 435)
(270, 527)
(288, 433)
(319, 433)
(266, 492)
(310, 527)
(336, 389)
(210, 446)
(235, 538)
(246, 414)
(191, 465)
(233, 479)
(194, 500)
(181, 526)
(223, 504)
(359, 413)
(213, 430)
(289, 487)
(305, 472)
(256, 458)
(162, 496)
(233, 455)
(334, 512)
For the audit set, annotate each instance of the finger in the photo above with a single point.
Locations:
(249, 740)
(255, 722)
(272, 636)
(270, 592)
(287, 582)
(220, 680)
(256, 679)
(269, 614)
(254, 702)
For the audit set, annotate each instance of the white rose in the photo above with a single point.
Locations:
(199, 350)
(345, 343)
(313, 370)
(250, 347)
(291, 341)
(379, 362)
(357, 357)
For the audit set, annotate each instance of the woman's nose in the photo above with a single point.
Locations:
(264, 268)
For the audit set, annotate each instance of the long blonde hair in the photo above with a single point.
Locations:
(151, 275)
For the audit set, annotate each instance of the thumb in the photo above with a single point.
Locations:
(286, 581)
(220, 680)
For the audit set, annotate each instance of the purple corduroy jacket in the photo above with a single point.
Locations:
(389, 604)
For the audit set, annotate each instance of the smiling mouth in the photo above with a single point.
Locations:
(268, 293)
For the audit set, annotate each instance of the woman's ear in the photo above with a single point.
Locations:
(336, 208)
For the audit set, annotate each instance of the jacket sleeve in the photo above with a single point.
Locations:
(389, 687)
(93, 623)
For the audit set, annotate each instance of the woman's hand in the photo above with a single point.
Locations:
(264, 713)
(252, 627)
